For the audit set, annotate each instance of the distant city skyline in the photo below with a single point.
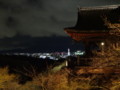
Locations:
(48, 55)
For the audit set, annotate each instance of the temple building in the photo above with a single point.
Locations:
(94, 24)
(91, 23)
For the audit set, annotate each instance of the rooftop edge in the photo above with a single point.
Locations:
(100, 7)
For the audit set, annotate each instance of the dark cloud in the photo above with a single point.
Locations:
(11, 22)
(3, 5)
(41, 17)
(36, 4)
(33, 1)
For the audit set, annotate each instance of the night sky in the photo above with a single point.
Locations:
(27, 24)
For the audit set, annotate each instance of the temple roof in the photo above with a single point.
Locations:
(92, 18)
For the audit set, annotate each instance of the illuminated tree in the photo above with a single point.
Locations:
(114, 33)
(114, 27)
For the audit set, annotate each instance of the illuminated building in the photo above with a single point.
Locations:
(68, 52)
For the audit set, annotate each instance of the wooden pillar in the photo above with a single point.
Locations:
(88, 51)
(78, 60)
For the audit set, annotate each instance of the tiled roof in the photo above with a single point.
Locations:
(91, 18)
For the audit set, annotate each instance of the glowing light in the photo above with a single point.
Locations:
(102, 43)
(66, 63)
(79, 52)
(68, 52)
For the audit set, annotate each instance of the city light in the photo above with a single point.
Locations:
(52, 55)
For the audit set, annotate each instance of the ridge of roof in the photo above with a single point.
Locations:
(100, 7)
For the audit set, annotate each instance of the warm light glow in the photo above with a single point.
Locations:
(102, 43)
(66, 63)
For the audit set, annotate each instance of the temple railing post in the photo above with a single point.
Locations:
(88, 51)
(78, 60)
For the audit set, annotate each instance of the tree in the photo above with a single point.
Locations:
(114, 27)
(114, 33)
